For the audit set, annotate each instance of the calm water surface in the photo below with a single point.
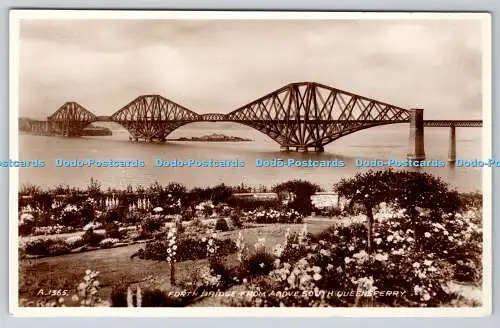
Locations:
(375, 143)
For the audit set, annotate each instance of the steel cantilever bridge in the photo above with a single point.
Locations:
(302, 116)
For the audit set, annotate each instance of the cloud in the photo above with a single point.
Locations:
(217, 66)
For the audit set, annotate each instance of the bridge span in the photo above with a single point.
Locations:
(303, 116)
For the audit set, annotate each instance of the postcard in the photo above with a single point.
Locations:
(233, 163)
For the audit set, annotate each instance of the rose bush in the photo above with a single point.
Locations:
(307, 266)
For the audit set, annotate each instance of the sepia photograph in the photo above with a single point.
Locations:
(250, 163)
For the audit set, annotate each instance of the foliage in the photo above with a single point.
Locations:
(471, 200)
(308, 266)
(412, 191)
(302, 191)
(259, 263)
(235, 217)
(75, 241)
(47, 246)
(188, 248)
(221, 225)
(274, 216)
(113, 231)
(249, 204)
(108, 242)
(93, 238)
(152, 223)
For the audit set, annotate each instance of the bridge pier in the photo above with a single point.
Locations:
(452, 150)
(284, 148)
(416, 142)
(303, 149)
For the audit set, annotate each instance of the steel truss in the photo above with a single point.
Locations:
(70, 119)
(152, 117)
(312, 115)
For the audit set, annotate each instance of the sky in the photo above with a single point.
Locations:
(218, 66)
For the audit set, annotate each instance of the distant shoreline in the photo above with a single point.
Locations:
(198, 140)
(212, 138)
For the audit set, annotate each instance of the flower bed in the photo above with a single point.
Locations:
(307, 266)
(274, 216)
(52, 230)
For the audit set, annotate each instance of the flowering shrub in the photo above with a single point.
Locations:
(47, 246)
(25, 223)
(52, 230)
(93, 238)
(75, 241)
(221, 225)
(113, 231)
(206, 207)
(71, 216)
(306, 265)
(188, 248)
(92, 226)
(88, 290)
(171, 245)
(274, 216)
(241, 248)
(108, 242)
(152, 223)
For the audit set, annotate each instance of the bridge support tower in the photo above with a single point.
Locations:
(452, 150)
(416, 142)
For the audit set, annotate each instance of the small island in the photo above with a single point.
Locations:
(214, 137)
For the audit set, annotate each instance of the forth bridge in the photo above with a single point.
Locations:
(303, 116)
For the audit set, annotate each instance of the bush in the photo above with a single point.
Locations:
(25, 229)
(259, 263)
(250, 204)
(219, 268)
(75, 241)
(235, 218)
(118, 295)
(274, 216)
(134, 217)
(93, 238)
(422, 192)
(108, 242)
(221, 225)
(26, 224)
(113, 216)
(152, 223)
(71, 216)
(58, 248)
(302, 191)
(113, 231)
(188, 248)
(339, 257)
(47, 246)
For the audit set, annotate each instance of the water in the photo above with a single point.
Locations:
(375, 143)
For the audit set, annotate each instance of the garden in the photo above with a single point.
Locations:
(404, 239)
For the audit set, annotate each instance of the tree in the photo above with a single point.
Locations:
(94, 188)
(414, 191)
(303, 190)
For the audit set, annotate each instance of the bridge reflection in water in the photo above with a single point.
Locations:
(302, 116)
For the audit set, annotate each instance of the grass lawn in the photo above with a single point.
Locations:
(115, 264)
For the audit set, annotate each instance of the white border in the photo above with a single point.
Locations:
(16, 15)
